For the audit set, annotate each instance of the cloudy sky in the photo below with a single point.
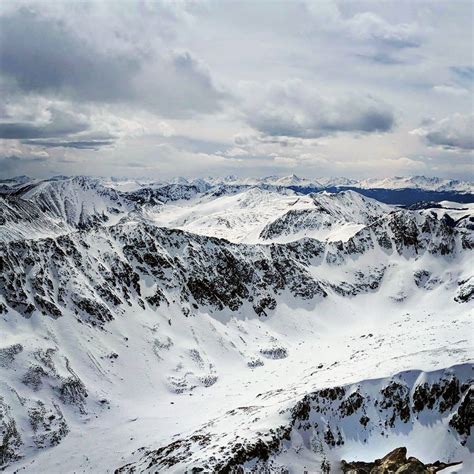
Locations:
(193, 88)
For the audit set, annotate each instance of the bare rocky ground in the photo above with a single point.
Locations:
(395, 462)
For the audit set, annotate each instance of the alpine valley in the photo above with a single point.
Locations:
(275, 325)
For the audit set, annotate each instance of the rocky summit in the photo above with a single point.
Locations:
(232, 325)
(394, 462)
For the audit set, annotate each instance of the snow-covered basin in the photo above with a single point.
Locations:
(427, 333)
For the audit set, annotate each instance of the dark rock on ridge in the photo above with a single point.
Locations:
(395, 462)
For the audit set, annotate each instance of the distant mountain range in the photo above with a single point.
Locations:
(398, 182)
(404, 191)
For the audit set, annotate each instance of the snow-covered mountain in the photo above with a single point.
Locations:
(228, 327)
(331, 217)
(33, 209)
(397, 182)
(417, 182)
(79, 202)
(317, 183)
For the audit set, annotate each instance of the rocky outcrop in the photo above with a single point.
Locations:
(33, 405)
(95, 272)
(395, 462)
(90, 275)
(166, 193)
(463, 419)
(11, 441)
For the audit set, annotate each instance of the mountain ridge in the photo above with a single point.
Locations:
(397, 182)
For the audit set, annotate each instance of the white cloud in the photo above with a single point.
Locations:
(451, 90)
(365, 26)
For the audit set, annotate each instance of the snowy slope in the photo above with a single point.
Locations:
(327, 425)
(238, 217)
(417, 182)
(460, 213)
(253, 215)
(36, 209)
(80, 202)
(333, 217)
(146, 341)
(21, 219)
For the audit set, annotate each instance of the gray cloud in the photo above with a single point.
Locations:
(61, 123)
(42, 55)
(55, 126)
(453, 132)
(381, 58)
(13, 165)
(465, 73)
(292, 109)
(193, 145)
(78, 144)
(177, 86)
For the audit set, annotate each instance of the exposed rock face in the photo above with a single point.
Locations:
(394, 462)
(11, 439)
(465, 292)
(48, 386)
(166, 193)
(463, 420)
(96, 272)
